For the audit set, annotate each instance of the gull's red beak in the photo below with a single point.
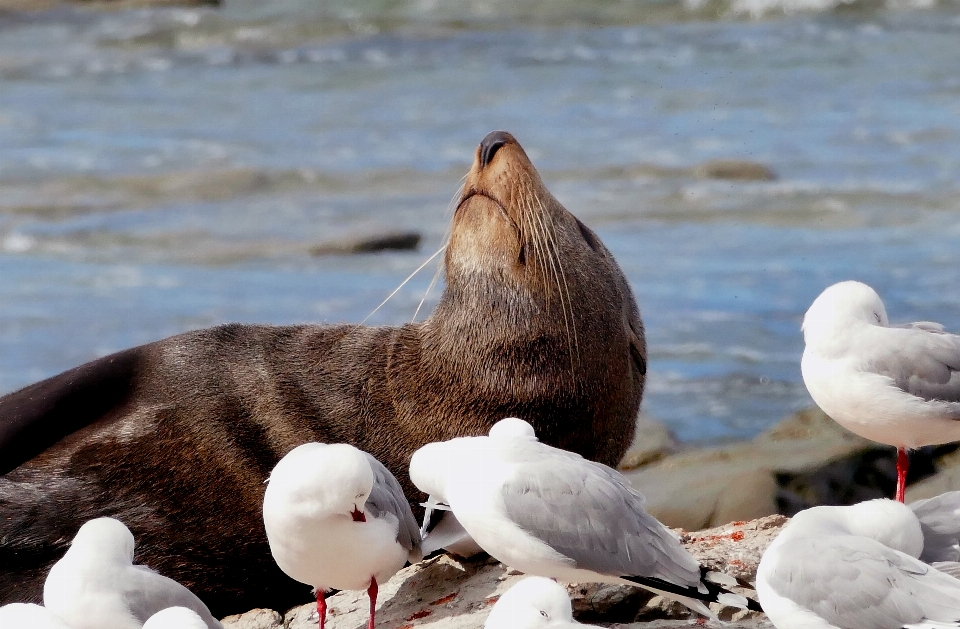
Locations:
(358, 515)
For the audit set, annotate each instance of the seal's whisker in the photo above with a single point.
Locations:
(566, 288)
(433, 282)
(536, 239)
(451, 208)
(404, 282)
(565, 307)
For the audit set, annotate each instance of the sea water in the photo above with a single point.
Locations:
(167, 169)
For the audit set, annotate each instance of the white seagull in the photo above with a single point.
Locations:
(551, 513)
(29, 616)
(336, 518)
(96, 585)
(898, 385)
(855, 567)
(533, 603)
(175, 618)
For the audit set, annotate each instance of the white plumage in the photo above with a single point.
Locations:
(96, 585)
(336, 518)
(855, 567)
(533, 603)
(549, 512)
(898, 385)
(29, 616)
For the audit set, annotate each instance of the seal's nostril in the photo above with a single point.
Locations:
(490, 145)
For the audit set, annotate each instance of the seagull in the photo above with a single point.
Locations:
(898, 385)
(855, 567)
(175, 618)
(336, 518)
(96, 585)
(940, 523)
(552, 513)
(29, 616)
(533, 603)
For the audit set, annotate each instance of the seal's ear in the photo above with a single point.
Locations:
(638, 349)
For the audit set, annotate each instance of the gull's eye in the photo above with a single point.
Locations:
(877, 315)
(360, 495)
(544, 614)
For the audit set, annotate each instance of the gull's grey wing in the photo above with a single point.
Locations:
(928, 326)
(921, 361)
(588, 512)
(858, 583)
(940, 522)
(147, 592)
(387, 497)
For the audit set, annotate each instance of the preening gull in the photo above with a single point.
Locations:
(552, 513)
(29, 616)
(175, 618)
(336, 518)
(440, 528)
(533, 603)
(855, 567)
(898, 385)
(96, 585)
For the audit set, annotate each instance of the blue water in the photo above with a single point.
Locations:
(163, 170)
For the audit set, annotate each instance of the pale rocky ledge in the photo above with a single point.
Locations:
(447, 593)
(806, 459)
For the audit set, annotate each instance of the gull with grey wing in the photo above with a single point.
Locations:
(898, 385)
(97, 586)
(855, 567)
(336, 518)
(552, 513)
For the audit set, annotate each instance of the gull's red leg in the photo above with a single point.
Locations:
(372, 593)
(322, 607)
(903, 462)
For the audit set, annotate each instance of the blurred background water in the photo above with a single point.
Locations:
(170, 168)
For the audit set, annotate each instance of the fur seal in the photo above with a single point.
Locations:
(175, 438)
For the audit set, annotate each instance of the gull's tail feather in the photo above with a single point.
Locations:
(695, 598)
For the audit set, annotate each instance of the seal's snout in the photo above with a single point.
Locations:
(489, 146)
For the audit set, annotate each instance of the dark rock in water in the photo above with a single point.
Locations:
(734, 169)
(399, 241)
(806, 460)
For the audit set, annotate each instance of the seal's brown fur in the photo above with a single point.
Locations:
(176, 438)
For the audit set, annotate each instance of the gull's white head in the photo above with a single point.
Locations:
(23, 615)
(175, 618)
(319, 480)
(840, 306)
(103, 540)
(513, 428)
(889, 522)
(427, 467)
(534, 603)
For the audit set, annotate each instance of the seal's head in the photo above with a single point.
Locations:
(509, 227)
(537, 319)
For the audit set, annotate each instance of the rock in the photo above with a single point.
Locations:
(398, 241)
(734, 169)
(807, 459)
(447, 593)
(652, 441)
(946, 461)
(254, 619)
